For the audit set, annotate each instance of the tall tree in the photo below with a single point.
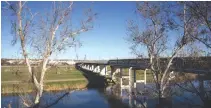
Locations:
(154, 37)
(45, 34)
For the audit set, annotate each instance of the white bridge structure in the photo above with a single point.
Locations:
(102, 69)
(114, 68)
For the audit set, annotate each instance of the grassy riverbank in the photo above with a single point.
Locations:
(20, 73)
(16, 79)
(50, 86)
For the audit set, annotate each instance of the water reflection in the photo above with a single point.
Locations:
(76, 99)
(186, 95)
(100, 95)
(92, 98)
(79, 99)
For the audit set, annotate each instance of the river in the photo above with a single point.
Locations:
(99, 94)
(93, 98)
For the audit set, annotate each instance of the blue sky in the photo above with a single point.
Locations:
(107, 40)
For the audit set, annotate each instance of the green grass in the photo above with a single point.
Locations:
(139, 74)
(50, 86)
(108, 68)
(14, 73)
(21, 73)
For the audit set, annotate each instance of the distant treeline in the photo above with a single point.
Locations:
(34, 62)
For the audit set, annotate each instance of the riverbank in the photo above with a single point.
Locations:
(16, 79)
(8, 89)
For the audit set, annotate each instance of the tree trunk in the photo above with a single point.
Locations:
(40, 90)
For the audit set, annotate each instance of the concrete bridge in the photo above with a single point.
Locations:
(198, 65)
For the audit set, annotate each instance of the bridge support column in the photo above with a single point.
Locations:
(92, 67)
(145, 77)
(134, 79)
(112, 71)
(103, 70)
(120, 72)
(131, 79)
(131, 85)
(106, 69)
(95, 68)
(121, 81)
(116, 71)
(98, 69)
(88, 67)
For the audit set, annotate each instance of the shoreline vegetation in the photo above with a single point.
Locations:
(17, 80)
(14, 89)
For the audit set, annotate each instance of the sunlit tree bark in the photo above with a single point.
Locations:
(47, 34)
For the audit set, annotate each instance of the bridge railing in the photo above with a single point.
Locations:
(182, 64)
(185, 64)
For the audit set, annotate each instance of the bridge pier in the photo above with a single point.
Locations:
(134, 78)
(103, 69)
(95, 68)
(106, 69)
(131, 79)
(145, 76)
(98, 68)
(121, 82)
(88, 67)
(131, 87)
(112, 71)
(132, 84)
(85, 66)
(92, 67)
(184, 64)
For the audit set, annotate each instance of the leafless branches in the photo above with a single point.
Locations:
(46, 34)
(155, 37)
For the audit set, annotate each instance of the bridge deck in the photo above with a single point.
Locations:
(180, 64)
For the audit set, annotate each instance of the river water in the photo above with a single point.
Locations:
(75, 99)
(93, 98)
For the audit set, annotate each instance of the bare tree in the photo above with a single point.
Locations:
(201, 13)
(155, 39)
(46, 34)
